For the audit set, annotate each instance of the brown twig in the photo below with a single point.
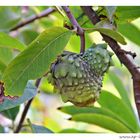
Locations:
(33, 18)
(25, 111)
(76, 26)
(123, 57)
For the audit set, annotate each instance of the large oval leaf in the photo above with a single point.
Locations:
(123, 112)
(10, 42)
(35, 61)
(102, 121)
(73, 110)
(113, 34)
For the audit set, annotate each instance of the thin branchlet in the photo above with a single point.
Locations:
(76, 26)
(26, 108)
(31, 19)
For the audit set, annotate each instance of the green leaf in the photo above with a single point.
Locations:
(5, 55)
(108, 29)
(127, 13)
(102, 121)
(113, 34)
(29, 92)
(2, 66)
(73, 110)
(110, 12)
(1, 129)
(38, 128)
(11, 113)
(73, 131)
(120, 88)
(130, 31)
(7, 41)
(123, 112)
(27, 36)
(8, 18)
(35, 61)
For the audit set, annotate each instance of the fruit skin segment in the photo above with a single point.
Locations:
(99, 58)
(78, 77)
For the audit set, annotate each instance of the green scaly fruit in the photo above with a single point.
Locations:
(99, 58)
(77, 77)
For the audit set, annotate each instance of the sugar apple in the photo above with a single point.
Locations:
(78, 77)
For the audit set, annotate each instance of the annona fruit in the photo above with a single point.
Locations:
(78, 77)
(99, 58)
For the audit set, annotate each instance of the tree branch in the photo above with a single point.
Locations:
(33, 18)
(25, 111)
(121, 54)
(76, 26)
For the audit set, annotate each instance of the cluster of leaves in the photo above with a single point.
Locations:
(29, 56)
